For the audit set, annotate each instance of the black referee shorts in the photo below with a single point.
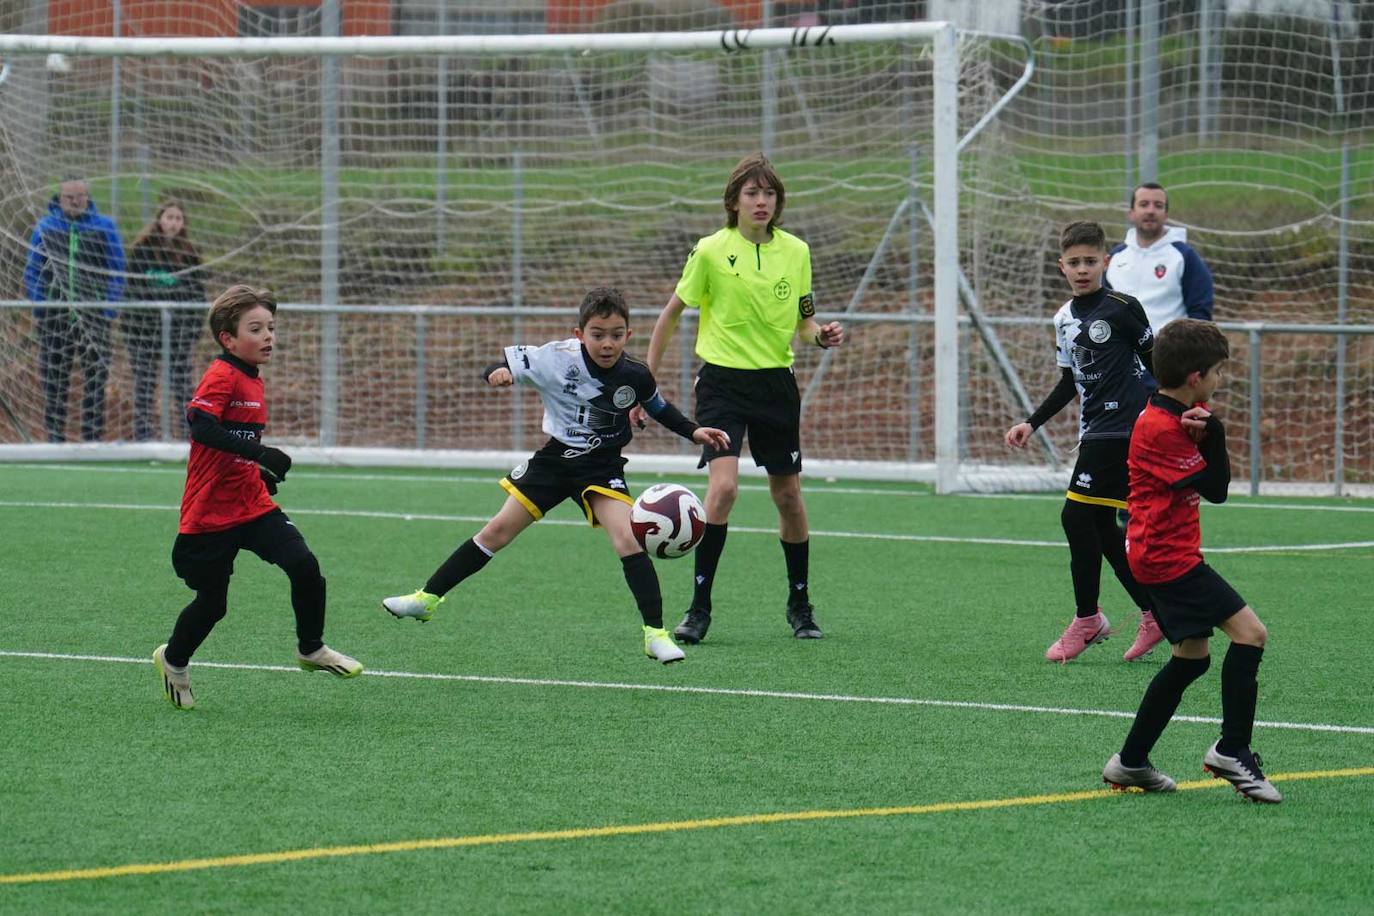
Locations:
(1100, 477)
(763, 404)
(1191, 605)
(207, 560)
(545, 481)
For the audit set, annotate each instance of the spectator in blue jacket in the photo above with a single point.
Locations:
(75, 257)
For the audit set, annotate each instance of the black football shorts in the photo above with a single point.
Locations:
(207, 560)
(763, 405)
(1100, 477)
(545, 480)
(1191, 605)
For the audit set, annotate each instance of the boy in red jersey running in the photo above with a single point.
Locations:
(227, 506)
(1177, 458)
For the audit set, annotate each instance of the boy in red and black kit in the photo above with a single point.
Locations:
(1178, 458)
(227, 506)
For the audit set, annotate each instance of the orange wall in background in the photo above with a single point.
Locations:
(574, 15)
(195, 17)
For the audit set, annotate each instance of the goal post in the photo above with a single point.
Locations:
(424, 215)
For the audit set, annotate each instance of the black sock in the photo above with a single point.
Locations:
(1113, 541)
(1158, 706)
(1085, 555)
(469, 558)
(798, 556)
(195, 622)
(707, 559)
(643, 582)
(1239, 689)
(307, 600)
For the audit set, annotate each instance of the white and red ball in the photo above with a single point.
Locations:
(668, 520)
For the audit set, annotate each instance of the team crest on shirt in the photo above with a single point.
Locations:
(573, 378)
(624, 396)
(1099, 331)
(1160, 271)
(520, 470)
(782, 289)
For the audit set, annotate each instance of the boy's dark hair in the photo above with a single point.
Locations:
(757, 167)
(1187, 345)
(1082, 232)
(1153, 186)
(602, 302)
(230, 305)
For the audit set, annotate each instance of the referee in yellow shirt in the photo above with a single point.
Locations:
(751, 282)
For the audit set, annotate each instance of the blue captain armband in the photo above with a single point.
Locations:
(669, 416)
(655, 405)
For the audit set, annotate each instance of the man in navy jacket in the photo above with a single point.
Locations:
(1157, 266)
(75, 256)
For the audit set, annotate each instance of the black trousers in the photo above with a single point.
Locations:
(67, 336)
(142, 330)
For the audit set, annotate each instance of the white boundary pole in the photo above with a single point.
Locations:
(946, 124)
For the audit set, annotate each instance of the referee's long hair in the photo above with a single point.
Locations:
(757, 167)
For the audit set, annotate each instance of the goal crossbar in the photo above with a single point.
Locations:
(378, 45)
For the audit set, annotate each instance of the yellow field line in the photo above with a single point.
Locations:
(582, 833)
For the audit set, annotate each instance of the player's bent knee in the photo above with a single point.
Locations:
(722, 496)
(789, 501)
(214, 604)
(305, 569)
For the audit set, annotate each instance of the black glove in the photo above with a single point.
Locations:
(274, 463)
(269, 480)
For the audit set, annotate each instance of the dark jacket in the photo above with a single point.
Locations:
(157, 274)
(75, 260)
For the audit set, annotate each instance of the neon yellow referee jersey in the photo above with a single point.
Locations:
(750, 296)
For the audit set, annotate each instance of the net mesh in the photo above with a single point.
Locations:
(512, 181)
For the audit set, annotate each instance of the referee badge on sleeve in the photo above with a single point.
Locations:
(806, 306)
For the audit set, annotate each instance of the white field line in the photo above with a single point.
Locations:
(488, 479)
(812, 486)
(741, 529)
(713, 691)
(1058, 498)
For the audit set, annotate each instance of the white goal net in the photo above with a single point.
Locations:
(427, 201)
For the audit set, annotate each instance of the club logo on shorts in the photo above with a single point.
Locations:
(782, 289)
(1099, 331)
(1160, 271)
(1085, 480)
(520, 470)
(624, 396)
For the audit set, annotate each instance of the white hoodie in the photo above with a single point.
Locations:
(1169, 278)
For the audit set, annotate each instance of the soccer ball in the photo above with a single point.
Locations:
(668, 520)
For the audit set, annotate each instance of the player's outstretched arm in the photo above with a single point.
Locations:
(272, 463)
(658, 343)
(825, 336)
(663, 331)
(1055, 401)
(718, 439)
(498, 375)
(1019, 435)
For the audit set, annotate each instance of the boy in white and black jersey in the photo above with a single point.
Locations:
(588, 386)
(1102, 347)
